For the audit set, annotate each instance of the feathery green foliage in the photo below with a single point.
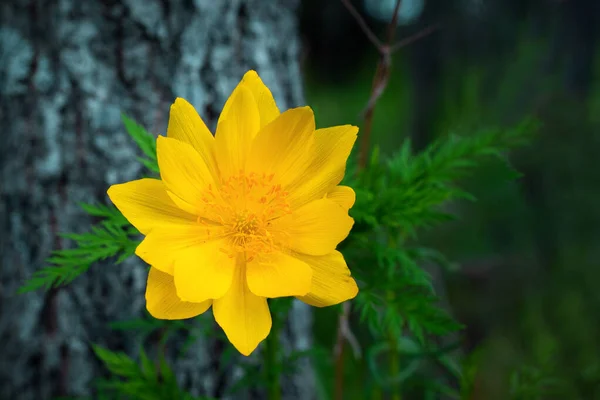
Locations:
(145, 380)
(113, 236)
(396, 199)
(145, 141)
(533, 383)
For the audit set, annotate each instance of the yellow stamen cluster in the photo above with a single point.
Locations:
(245, 204)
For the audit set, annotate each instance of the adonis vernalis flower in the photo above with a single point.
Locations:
(252, 213)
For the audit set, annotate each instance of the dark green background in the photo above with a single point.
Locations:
(528, 249)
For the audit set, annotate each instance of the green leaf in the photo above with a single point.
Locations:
(384, 379)
(139, 382)
(147, 368)
(145, 140)
(151, 165)
(395, 199)
(116, 362)
(111, 237)
(425, 316)
(470, 368)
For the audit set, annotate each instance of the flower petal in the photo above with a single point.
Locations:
(244, 317)
(203, 272)
(342, 195)
(278, 275)
(332, 148)
(316, 228)
(331, 282)
(184, 172)
(162, 246)
(267, 107)
(146, 204)
(284, 146)
(186, 125)
(238, 125)
(163, 303)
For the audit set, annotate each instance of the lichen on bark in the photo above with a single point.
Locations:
(68, 70)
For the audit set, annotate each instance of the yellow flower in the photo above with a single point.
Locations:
(254, 212)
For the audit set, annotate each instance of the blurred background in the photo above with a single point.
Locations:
(526, 252)
(527, 249)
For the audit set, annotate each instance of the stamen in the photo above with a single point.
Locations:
(244, 205)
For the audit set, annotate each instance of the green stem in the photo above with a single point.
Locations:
(272, 367)
(394, 360)
(395, 368)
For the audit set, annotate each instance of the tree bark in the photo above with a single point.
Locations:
(68, 69)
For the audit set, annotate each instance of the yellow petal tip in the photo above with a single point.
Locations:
(354, 128)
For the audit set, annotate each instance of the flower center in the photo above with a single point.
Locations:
(248, 203)
(249, 234)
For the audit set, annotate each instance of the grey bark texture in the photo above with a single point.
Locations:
(68, 69)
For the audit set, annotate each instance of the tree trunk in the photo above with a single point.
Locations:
(67, 70)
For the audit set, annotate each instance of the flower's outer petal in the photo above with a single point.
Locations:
(238, 125)
(332, 148)
(278, 275)
(342, 195)
(186, 125)
(204, 272)
(283, 147)
(316, 228)
(162, 301)
(243, 316)
(162, 246)
(267, 107)
(184, 172)
(146, 204)
(331, 282)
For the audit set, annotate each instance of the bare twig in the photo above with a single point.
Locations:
(346, 333)
(393, 25)
(363, 24)
(413, 38)
(382, 76)
(380, 81)
(338, 351)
